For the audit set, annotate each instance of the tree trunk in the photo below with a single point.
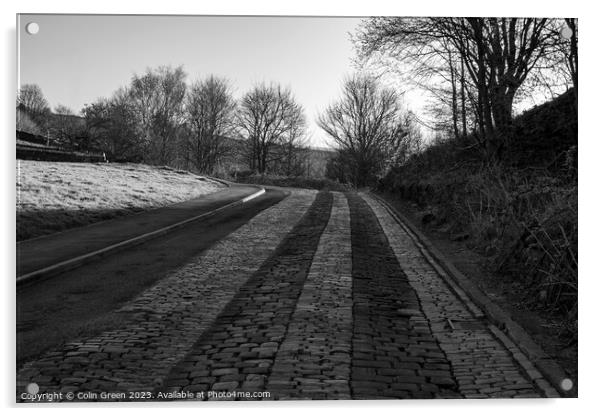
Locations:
(263, 159)
(454, 97)
(502, 115)
(463, 98)
(573, 56)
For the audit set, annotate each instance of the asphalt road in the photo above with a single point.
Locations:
(52, 311)
(45, 251)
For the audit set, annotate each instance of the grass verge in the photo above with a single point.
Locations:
(55, 196)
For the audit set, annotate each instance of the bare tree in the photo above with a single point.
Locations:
(111, 123)
(364, 123)
(31, 99)
(292, 150)
(209, 112)
(497, 54)
(158, 98)
(268, 115)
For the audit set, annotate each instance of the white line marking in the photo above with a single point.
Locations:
(253, 196)
(79, 260)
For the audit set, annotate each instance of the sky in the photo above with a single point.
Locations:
(76, 59)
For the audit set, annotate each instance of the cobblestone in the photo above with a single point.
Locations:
(274, 288)
(317, 344)
(470, 349)
(166, 320)
(388, 338)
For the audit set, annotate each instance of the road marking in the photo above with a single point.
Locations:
(85, 258)
(253, 196)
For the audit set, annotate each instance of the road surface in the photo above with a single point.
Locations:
(319, 296)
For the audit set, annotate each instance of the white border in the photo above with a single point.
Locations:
(590, 151)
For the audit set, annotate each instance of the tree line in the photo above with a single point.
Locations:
(159, 119)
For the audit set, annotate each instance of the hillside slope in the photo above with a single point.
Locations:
(54, 196)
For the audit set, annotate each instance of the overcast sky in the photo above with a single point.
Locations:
(76, 59)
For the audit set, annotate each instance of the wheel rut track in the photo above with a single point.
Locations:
(238, 351)
(394, 354)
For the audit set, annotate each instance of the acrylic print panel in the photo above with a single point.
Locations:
(285, 208)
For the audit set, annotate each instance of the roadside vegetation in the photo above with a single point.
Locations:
(522, 220)
(502, 181)
(54, 196)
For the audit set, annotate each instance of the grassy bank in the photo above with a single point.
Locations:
(55, 196)
(523, 221)
(525, 224)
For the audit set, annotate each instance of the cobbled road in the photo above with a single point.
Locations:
(321, 296)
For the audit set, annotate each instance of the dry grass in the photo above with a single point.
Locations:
(54, 196)
(524, 222)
